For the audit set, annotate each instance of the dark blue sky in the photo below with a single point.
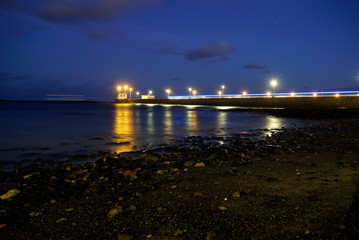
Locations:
(87, 47)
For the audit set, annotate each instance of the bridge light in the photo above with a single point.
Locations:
(315, 94)
(292, 94)
(269, 93)
(168, 91)
(337, 95)
(244, 93)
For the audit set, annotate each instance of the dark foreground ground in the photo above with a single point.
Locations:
(299, 183)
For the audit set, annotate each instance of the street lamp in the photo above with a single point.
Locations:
(273, 83)
(244, 93)
(130, 93)
(168, 91)
(190, 90)
(223, 87)
(219, 93)
(194, 92)
(125, 87)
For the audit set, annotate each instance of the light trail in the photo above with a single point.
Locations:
(277, 94)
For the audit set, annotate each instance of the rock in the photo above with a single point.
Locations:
(188, 164)
(62, 220)
(236, 195)
(200, 164)
(10, 194)
(130, 174)
(132, 208)
(178, 233)
(34, 214)
(197, 194)
(113, 212)
(124, 236)
(161, 172)
(223, 208)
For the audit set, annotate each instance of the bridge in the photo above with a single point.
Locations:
(304, 100)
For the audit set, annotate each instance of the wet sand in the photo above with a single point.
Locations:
(299, 183)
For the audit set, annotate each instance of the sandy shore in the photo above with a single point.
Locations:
(300, 183)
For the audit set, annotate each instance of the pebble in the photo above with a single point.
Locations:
(130, 174)
(3, 225)
(161, 172)
(223, 208)
(61, 220)
(198, 194)
(200, 164)
(188, 164)
(113, 212)
(124, 236)
(178, 233)
(236, 195)
(10, 194)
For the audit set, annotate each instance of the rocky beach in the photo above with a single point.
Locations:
(295, 183)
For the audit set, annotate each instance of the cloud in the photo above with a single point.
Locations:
(79, 10)
(11, 77)
(254, 66)
(259, 67)
(218, 51)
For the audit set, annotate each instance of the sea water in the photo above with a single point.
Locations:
(29, 130)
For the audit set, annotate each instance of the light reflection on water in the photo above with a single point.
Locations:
(73, 127)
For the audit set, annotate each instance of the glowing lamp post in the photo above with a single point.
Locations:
(130, 93)
(273, 83)
(223, 87)
(168, 91)
(219, 93)
(244, 93)
(194, 92)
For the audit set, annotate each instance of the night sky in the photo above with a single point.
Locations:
(87, 47)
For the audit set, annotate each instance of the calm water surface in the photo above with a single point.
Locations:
(31, 130)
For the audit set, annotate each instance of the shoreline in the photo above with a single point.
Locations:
(298, 183)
